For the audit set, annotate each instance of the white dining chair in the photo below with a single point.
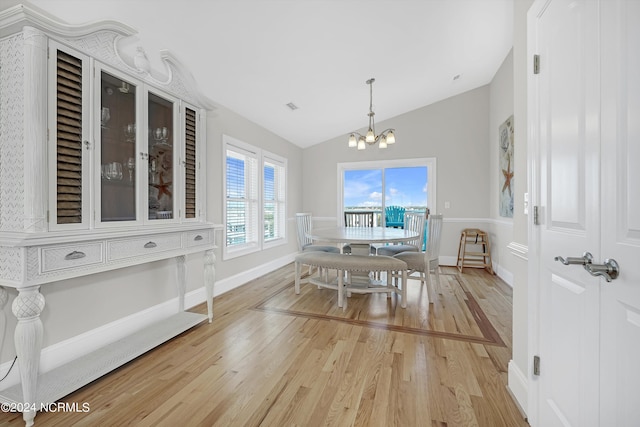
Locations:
(304, 223)
(428, 261)
(413, 221)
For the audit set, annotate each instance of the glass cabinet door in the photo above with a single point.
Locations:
(118, 161)
(161, 116)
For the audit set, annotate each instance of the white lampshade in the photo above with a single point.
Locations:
(383, 142)
(352, 141)
(361, 144)
(370, 136)
(391, 138)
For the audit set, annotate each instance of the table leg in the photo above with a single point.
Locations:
(360, 278)
(28, 342)
(209, 279)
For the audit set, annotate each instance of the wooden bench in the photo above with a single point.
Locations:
(343, 263)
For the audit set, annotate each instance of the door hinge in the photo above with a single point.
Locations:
(536, 365)
(536, 64)
(535, 215)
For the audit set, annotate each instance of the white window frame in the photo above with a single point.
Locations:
(280, 189)
(257, 220)
(428, 162)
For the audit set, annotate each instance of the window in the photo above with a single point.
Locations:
(372, 186)
(253, 197)
(274, 198)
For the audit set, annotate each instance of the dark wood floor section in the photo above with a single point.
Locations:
(273, 358)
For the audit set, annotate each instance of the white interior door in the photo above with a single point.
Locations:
(585, 123)
(620, 302)
(568, 110)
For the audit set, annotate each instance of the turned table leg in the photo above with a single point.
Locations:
(209, 280)
(28, 342)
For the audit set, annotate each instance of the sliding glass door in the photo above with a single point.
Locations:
(387, 187)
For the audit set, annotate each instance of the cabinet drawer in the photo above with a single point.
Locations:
(62, 257)
(198, 238)
(119, 249)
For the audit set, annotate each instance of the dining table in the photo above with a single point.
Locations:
(360, 240)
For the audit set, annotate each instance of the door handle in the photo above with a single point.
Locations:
(610, 270)
(586, 258)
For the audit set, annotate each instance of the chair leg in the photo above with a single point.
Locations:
(436, 270)
(404, 289)
(297, 285)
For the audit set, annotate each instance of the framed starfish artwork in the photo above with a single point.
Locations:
(505, 174)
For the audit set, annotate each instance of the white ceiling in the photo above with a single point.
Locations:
(255, 56)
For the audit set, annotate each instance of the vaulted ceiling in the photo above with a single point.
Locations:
(255, 56)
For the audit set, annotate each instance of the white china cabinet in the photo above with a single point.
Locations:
(101, 168)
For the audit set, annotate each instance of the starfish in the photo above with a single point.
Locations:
(163, 187)
(508, 174)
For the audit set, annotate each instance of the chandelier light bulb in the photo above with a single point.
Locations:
(370, 136)
(353, 142)
(383, 142)
(361, 144)
(391, 138)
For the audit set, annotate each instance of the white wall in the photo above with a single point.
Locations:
(501, 108)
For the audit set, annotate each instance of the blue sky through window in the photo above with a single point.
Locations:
(406, 186)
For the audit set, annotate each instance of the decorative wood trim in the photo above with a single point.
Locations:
(519, 250)
(489, 334)
(12, 137)
(100, 40)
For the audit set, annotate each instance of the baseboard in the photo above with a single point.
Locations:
(229, 283)
(70, 349)
(504, 274)
(448, 260)
(517, 385)
(66, 351)
(501, 272)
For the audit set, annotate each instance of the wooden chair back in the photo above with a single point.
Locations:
(414, 221)
(303, 224)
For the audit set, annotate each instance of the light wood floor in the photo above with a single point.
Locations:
(273, 358)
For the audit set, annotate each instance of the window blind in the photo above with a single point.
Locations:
(190, 163)
(241, 197)
(274, 196)
(69, 138)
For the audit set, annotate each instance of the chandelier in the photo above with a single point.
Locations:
(384, 138)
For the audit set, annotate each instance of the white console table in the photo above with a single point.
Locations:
(56, 258)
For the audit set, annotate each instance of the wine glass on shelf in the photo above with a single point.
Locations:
(131, 165)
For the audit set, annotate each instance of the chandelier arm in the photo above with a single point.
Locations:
(387, 130)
